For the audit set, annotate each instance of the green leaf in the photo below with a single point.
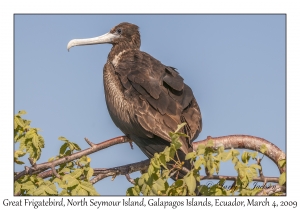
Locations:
(145, 190)
(200, 149)
(19, 153)
(82, 192)
(71, 146)
(131, 192)
(76, 147)
(88, 187)
(19, 162)
(155, 163)
(190, 181)
(263, 148)
(190, 155)
(162, 160)
(203, 190)
(68, 152)
(77, 173)
(21, 112)
(245, 157)
(253, 154)
(24, 179)
(178, 183)
(176, 144)
(235, 152)
(218, 191)
(51, 190)
(166, 152)
(41, 141)
(62, 138)
(141, 181)
(210, 164)
(17, 187)
(40, 190)
(19, 121)
(199, 162)
(282, 178)
(71, 181)
(90, 173)
(35, 141)
(256, 166)
(182, 134)
(158, 185)
(179, 127)
(63, 148)
(65, 170)
(28, 185)
(75, 189)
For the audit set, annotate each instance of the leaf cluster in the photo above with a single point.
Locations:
(72, 178)
(31, 142)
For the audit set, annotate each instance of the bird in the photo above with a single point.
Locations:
(145, 98)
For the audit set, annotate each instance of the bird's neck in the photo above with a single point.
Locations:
(119, 48)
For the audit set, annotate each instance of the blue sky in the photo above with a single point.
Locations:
(235, 65)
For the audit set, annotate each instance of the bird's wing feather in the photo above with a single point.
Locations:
(161, 99)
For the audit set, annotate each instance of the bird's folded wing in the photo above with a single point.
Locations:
(160, 97)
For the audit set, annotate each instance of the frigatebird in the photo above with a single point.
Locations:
(145, 98)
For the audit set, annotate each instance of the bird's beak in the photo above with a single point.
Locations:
(106, 38)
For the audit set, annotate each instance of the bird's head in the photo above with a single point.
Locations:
(125, 34)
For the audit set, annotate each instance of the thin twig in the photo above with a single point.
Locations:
(129, 179)
(89, 142)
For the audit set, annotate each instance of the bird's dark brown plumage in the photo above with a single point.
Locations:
(145, 98)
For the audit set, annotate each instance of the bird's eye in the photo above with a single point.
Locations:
(119, 31)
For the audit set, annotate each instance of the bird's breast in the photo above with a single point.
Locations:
(120, 110)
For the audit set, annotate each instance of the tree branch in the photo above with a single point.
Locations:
(233, 141)
(94, 148)
(101, 173)
(246, 142)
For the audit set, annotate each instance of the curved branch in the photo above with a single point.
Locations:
(233, 141)
(246, 142)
